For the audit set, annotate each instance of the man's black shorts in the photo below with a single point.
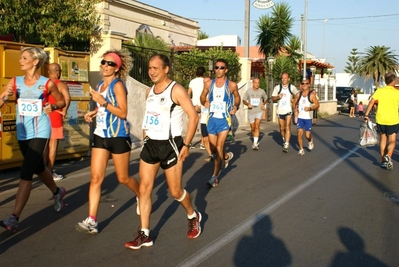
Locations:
(161, 151)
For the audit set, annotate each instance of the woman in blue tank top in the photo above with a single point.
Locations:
(31, 93)
(112, 132)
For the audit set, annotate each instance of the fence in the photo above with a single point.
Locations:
(182, 65)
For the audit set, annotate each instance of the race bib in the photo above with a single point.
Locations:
(255, 102)
(204, 109)
(218, 107)
(30, 107)
(101, 117)
(152, 122)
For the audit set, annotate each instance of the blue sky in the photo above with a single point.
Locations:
(351, 23)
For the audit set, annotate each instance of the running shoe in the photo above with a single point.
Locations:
(388, 159)
(88, 225)
(383, 164)
(191, 146)
(10, 224)
(311, 144)
(137, 206)
(213, 182)
(59, 199)
(255, 146)
(202, 147)
(285, 147)
(141, 240)
(230, 137)
(194, 226)
(230, 155)
(57, 177)
(301, 152)
(208, 159)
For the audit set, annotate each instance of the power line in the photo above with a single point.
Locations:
(346, 18)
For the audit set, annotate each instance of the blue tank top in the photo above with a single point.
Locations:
(221, 100)
(32, 121)
(107, 124)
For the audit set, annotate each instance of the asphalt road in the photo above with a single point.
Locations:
(334, 206)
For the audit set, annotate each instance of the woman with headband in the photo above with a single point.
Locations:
(112, 132)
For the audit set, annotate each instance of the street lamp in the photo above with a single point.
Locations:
(313, 71)
(270, 61)
(210, 67)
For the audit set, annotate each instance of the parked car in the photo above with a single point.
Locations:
(342, 95)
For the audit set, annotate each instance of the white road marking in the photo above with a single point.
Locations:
(225, 239)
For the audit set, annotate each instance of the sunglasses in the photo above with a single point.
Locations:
(304, 83)
(109, 63)
(220, 67)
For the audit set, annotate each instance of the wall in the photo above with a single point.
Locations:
(136, 105)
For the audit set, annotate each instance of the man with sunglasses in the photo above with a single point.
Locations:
(305, 103)
(223, 99)
(284, 94)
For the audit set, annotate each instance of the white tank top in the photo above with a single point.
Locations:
(304, 102)
(163, 119)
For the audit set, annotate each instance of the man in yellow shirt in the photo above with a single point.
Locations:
(387, 118)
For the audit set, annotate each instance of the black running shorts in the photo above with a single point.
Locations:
(115, 145)
(161, 151)
(33, 163)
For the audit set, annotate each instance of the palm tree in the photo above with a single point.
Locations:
(274, 30)
(376, 62)
(202, 35)
(149, 41)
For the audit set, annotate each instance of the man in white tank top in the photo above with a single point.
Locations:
(305, 103)
(164, 147)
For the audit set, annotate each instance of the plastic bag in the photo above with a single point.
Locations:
(368, 134)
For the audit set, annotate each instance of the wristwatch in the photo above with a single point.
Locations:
(105, 105)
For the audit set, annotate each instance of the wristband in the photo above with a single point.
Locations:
(184, 144)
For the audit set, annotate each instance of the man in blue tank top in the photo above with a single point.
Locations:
(223, 98)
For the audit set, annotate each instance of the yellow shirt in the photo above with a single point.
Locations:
(388, 101)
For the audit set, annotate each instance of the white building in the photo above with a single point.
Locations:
(355, 81)
(221, 40)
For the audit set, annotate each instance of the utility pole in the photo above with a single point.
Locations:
(305, 22)
(246, 32)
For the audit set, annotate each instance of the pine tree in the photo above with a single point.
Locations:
(352, 66)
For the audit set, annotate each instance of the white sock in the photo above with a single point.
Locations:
(192, 216)
(256, 140)
(146, 231)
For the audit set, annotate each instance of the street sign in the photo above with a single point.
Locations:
(263, 4)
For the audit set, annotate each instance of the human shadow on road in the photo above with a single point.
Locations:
(276, 136)
(197, 182)
(356, 254)
(262, 248)
(162, 193)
